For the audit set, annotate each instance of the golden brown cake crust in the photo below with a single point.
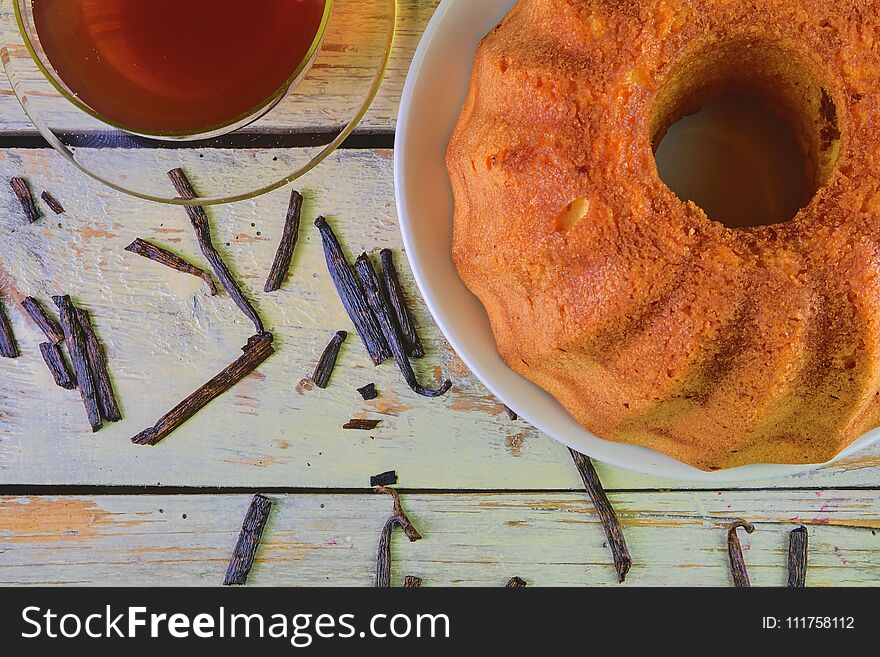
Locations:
(649, 322)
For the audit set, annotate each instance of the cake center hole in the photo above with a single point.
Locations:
(745, 131)
(736, 160)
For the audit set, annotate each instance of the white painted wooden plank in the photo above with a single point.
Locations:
(336, 73)
(165, 337)
(676, 538)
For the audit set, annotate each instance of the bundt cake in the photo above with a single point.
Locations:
(650, 322)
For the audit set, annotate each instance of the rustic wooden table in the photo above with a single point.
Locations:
(492, 497)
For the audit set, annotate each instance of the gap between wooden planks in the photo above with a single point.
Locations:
(165, 337)
(676, 538)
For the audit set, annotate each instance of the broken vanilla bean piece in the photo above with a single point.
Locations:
(368, 392)
(199, 220)
(352, 295)
(57, 365)
(797, 557)
(327, 362)
(384, 479)
(613, 532)
(380, 307)
(516, 583)
(76, 346)
(107, 403)
(412, 582)
(8, 344)
(734, 549)
(23, 194)
(394, 292)
(43, 320)
(51, 351)
(511, 413)
(257, 350)
(284, 255)
(361, 425)
(165, 257)
(398, 519)
(52, 202)
(248, 541)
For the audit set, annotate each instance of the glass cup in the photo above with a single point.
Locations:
(27, 26)
(283, 138)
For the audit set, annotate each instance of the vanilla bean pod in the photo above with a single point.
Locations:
(97, 358)
(51, 351)
(398, 519)
(352, 295)
(23, 193)
(384, 479)
(43, 320)
(257, 350)
(412, 582)
(368, 392)
(516, 583)
(199, 219)
(738, 569)
(380, 307)
(52, 202)
(164, 257)
(76, 346)
(287, 245)
(359, 424)
(797, 557)
(54, 360)
(248, 541)
(327, 362)
(8, 344)
(394, 292)
(613, 531)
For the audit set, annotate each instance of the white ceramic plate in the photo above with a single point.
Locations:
(432, 98)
